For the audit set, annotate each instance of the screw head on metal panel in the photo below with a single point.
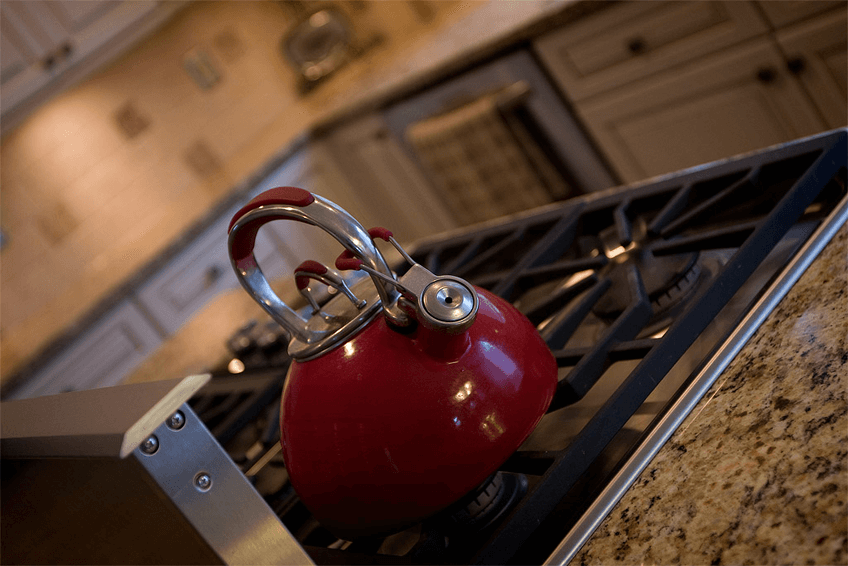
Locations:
(177, 421)
(203, 481)
(151, 445)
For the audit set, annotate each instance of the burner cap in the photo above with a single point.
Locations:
(486, 504)
(666, 278)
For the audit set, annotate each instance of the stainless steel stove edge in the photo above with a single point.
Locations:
(615, 490)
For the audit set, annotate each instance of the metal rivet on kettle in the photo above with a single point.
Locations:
(151, 445)
(203, 481)
(177, 421)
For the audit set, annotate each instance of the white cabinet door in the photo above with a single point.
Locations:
(387, 182)
(817, 53)
(48, 45)
(632, 40)
(740, 100)
(102, 357)
(200, 273)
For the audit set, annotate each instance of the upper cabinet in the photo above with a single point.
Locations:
(816, 53)
(635, 39)
(47, 45)
(676, 84)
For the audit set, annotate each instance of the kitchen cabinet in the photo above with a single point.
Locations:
(637, 39)
(47, 45)
(687, 101)
(101, 357)
(388, 182)
(727, 104)
(817, 54)
(201, 272)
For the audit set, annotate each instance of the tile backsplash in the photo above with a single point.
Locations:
(103, 177)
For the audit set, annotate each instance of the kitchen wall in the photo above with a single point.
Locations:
(105, 175)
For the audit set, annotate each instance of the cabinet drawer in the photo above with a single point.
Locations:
(200, 273)
(718, 108)
(817, 53)
(633, 40)
(102, 357)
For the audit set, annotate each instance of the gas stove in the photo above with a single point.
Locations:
(642, 293)
(634, 290)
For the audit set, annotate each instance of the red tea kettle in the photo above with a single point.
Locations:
(404, 393)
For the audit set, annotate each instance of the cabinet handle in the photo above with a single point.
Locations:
(766, 75)
(796, 65)
(212, 275)
(636, 46)
(59, 54)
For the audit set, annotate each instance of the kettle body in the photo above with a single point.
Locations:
(384, 431)
(405, 393)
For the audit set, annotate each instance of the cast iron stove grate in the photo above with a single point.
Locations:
(632, 290)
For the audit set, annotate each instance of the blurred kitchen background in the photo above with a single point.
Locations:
(131, 130)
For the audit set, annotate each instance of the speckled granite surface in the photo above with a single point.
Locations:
(758, 473)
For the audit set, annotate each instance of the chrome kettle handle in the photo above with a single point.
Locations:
(291, 203)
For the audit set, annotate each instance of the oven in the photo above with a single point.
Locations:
(643, 295)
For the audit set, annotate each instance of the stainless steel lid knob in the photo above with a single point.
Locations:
(449, 301)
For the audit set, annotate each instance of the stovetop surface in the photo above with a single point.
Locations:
(633, 290)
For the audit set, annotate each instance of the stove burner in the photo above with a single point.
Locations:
(482, 507)
(667, 281)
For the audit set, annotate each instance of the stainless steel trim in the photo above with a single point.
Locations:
(594, 516)
(201, 480)
(63, 425)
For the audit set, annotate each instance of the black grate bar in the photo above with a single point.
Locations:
(559, 299)
(546, 250)
(630, 350)
(532, 462)
(623, 227)
(432, 261)
(464, 256)
(545, 273)
(669, 212)
(489, 253)
(560, 328)
(490, 279)
(748, 182)
(589, 443)
(591, 367)
(728, 237)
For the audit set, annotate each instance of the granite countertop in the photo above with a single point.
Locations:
(757, 473)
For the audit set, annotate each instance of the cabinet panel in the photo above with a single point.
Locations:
(727, 104)
(200, 273)
(632, 40)
(783, 12)
(818, 52)
(53, 44)
(100, 358)
(392, 187)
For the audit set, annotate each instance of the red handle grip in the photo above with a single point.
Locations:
(346, 260)
(307, 267)
(246, 238)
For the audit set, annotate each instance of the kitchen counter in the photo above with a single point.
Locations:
(757, 473)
